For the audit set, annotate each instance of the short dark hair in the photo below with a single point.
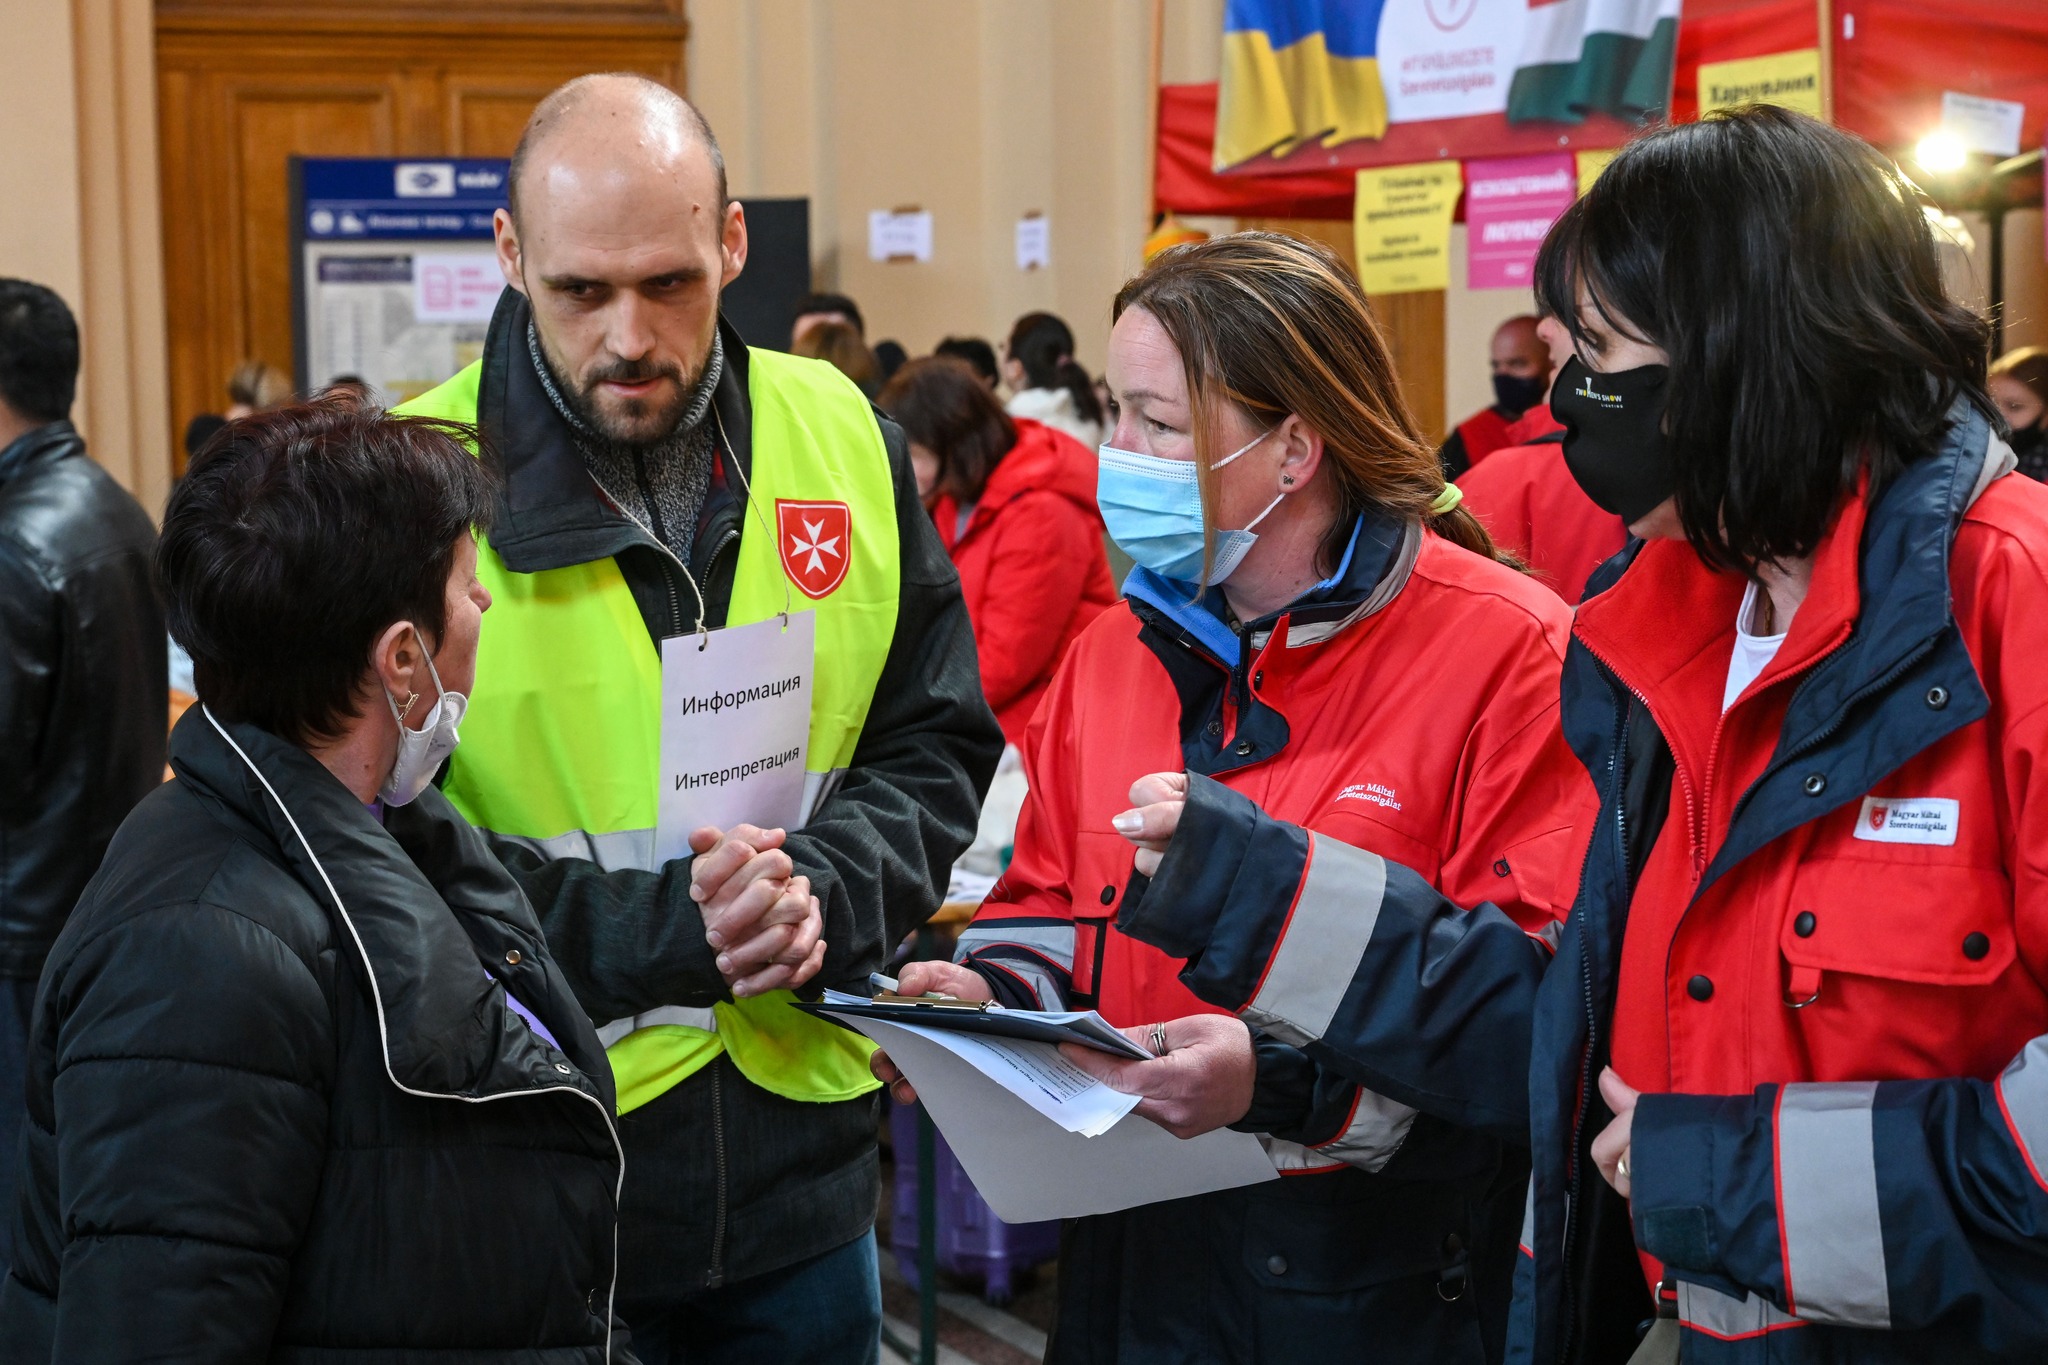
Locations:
(38, 351)
(1788, 271)
(1044, 345)
(831, 303)
(979, 355)
(943, 406)
(297, 537)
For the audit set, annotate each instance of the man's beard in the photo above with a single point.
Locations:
(633, 423)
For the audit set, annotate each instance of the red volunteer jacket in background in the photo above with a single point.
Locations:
(1032, 566)
(1529, 502)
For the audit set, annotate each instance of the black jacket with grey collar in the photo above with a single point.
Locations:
(278, 1108)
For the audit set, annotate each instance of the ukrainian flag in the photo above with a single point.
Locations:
(1298, 70)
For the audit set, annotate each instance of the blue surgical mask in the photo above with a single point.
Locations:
(1153, 509)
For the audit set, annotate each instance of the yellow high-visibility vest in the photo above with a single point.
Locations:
(561, 743)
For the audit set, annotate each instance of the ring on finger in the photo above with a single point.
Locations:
(1159, 1047)
(1621, 1168)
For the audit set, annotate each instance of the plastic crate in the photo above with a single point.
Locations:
(971, 1240)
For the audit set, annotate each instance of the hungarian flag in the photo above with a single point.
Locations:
(1594, 56)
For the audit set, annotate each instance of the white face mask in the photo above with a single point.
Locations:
(422, 752)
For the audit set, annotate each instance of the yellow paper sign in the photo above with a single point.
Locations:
(1590, 166)
(1791, 79)
(1403, 224)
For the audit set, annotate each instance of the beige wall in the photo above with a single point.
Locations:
(979, 111)
(78, 210)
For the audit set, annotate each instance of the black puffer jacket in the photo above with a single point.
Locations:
(83, 688)
(278, 1109)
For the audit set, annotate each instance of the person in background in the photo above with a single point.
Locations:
(1788, 1060)
(660, 475)
(1302, 566)
(2019, 386)
(83, 675)
(813, 310)
(889, 358)
(1521, 376)
(839, 346)
(304, 1079)
(1014, 501)
(979, 356)
(1045, 383)
(256, 386)
(1529, 501)
(199, 431)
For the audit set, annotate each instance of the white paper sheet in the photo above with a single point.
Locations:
(735, 726)
(1030, 1169)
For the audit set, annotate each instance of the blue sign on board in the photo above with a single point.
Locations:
(388, 197)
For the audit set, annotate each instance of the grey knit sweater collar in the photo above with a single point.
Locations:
(661, 486)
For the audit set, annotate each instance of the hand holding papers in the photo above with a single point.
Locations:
(1037, 1133)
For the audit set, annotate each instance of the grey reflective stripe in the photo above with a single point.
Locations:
(1322, 943)
(620, 850)
(1377, 1129)
(1827, 1205)
(1528, 1238)
(1550, 935)
(2023, 1095)
(1042, 983)
(1053, 942)
(818, 789)
(1718, 1315)
(1292, 1156)
(665, 1014)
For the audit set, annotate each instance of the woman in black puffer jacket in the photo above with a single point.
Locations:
(304, 1083)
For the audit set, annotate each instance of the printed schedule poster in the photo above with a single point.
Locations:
(397, 274)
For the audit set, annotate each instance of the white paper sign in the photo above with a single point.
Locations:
(1983, 125)
(894, 236)
(735, 728)
(455, 286)
(1034, 242)
(1455, 58)
(1030, 1169)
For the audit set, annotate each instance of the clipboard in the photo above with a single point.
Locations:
(1088, 1028)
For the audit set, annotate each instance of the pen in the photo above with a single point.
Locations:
(889, 985)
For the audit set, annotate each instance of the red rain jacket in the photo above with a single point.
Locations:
(1448, 761)
(1032, 566)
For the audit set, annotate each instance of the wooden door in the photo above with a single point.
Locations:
(244, 85)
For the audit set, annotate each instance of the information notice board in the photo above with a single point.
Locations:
(396, 275)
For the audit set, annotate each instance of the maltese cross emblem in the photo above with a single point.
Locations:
(816, 539)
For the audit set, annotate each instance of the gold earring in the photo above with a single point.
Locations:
(406, 709)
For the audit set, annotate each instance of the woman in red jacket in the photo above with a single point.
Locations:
(1015, 504)
(1315, 624)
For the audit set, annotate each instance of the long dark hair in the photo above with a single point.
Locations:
(942, 405)
(1788, 271)
(1044, 346)
(1277, 325)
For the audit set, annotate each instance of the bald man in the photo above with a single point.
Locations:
(663, 480)
(1521, 377)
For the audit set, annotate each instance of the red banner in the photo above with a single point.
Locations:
(1892, 61)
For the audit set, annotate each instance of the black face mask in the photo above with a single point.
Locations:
(1518, 393)
(2028, 440)
(1614, 441)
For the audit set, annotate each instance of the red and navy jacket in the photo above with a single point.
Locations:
(1406, 706)
(1814, 930)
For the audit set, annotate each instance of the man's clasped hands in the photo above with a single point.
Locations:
(759, 914)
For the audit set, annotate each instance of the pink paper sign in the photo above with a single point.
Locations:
(1510, 204)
